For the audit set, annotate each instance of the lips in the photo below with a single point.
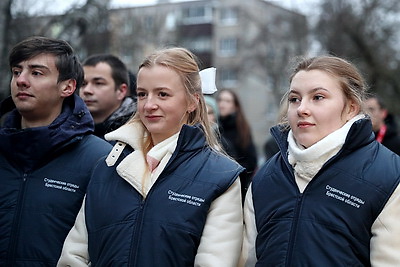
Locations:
(304, 124)
(88, 102)
(23, 95)
(152, 117)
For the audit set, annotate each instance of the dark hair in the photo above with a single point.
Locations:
(132, 85)
(119, 71)
(379, 100)
(67, 63)
(243, 127)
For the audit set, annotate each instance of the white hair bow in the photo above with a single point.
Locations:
(207, 77)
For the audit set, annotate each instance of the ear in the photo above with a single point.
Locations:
(122, 91)
(68, 87)
(194, 104)
(352, 110)
(384, 113)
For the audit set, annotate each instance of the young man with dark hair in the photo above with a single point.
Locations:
(106, 92)
(47, 152)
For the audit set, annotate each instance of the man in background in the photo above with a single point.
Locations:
(383, 124)
(106, 92)
(47, 152)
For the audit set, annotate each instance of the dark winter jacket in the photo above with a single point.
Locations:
(245, 156)
(117, 119)
(391, 139)
(44, 172)
(329, 224)
(165, 228)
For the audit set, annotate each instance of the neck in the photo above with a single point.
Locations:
(101, 117)
(29, 120)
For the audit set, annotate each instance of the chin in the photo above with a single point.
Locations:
(305, 144)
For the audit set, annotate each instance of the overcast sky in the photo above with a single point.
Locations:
(293, 4)
(298, 5)
(43, 7)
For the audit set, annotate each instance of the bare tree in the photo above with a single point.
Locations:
(84, 27)
(277, 37)
(366, 32)
(5, 18)
(135, 32)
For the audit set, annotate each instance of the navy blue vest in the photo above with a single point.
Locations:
(329, 224)
(165, 228)
(44, 172)
(37, 209)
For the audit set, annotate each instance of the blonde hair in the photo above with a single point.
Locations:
(184, 63)
(350, 79)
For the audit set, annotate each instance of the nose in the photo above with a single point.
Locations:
(86, 89)
(303, 109)
(150, 103)
(22, 80)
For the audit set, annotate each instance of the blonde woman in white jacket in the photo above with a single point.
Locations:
(165, 195)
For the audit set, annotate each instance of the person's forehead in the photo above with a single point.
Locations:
(225, 95)
(44, 59)
(100, 68)
(372, 102)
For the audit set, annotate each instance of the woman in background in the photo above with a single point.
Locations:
(236, 132)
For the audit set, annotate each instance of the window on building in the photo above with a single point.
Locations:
(128, 27)
(148, 22)
(200, 44)
(228, 78)
(228, 47)
(170, 21)
(197, 14)
(229, 16)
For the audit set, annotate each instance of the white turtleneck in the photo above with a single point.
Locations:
(308, 161)
(385, 244)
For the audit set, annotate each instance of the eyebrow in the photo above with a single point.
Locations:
(32, 66)
(312, 90)
(98, 79)
(156, 89)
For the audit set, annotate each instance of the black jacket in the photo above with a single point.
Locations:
(117, 119)
(391, 139)
(245, 156)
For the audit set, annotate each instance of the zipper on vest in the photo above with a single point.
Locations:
(139, 223)
(136, 234)
(133, 257)
(16, 222)
(293, 230)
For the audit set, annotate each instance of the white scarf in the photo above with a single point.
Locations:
(308, 161)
